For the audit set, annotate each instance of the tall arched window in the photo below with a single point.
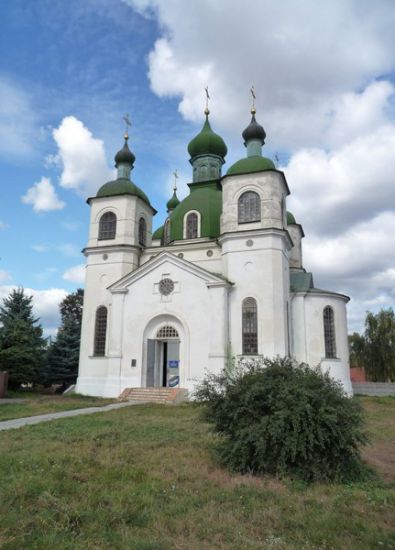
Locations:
(191, 226)
(250, 326)
(100, 331)
(142, 232)
(107, 226)
(329, 333)
(249, 207)
(166, 233)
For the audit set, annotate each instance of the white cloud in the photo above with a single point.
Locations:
(45, 305)
(68, 249)
(302, 58)
(75, 274)
(3, 225)
(40, 248)
(82, 157)
(17, 120)
(42, 196)
(4, 276)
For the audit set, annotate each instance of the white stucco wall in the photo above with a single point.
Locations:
(308, 333)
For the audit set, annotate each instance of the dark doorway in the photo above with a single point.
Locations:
(164, 365)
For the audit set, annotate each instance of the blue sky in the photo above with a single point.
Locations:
(324, 75)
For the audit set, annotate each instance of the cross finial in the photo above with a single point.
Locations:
(126, 119)
(206, 110)
(176, 176)
(253, 109)
(277, 159)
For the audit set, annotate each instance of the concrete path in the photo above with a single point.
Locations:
(28, 420)
(8, 400)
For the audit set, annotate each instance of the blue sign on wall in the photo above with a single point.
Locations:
(173, 364)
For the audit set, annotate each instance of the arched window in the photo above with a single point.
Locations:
(100, 331)
(107, 226)
(142, 232)
(249, 207)
(191, 226)
(329, 333)
(250, 326)
(166, 233)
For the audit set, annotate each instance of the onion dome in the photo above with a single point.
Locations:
(173, 202)
(254, 131)
(207, 142)
(290, 219)
(124, 155)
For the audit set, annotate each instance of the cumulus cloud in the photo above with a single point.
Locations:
(75, 274)
(45, 305)
(82, 157)
(301, 56)
(42, 196)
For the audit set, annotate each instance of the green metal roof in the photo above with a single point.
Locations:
(122, 186)
(251, 164)
(173, 202)
(205, 198)
(290, 218)
(158, 234)
(207, 142)
(301, 281)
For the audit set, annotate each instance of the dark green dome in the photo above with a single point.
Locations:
(173, 202)
(124, 155)
(290, 218)
(251, 164)
(207, 142)
(205, 198)
(158, 234)
(121, 186)
(254, 131)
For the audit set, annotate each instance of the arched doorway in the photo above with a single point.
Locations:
(163, 357)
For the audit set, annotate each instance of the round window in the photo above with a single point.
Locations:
(166, 287)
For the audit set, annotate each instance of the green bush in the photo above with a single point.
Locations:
(281, 418)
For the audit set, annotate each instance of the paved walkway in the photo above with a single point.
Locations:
(28, 420)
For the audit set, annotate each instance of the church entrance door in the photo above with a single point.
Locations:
(163, 359)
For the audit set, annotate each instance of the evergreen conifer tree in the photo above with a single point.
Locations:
(22, 346)
(63, 353)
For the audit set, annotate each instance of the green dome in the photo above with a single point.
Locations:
(251, 164)
(290, 218)
(121, 186)
(205, 198)
(207, 143)
(158, 234)
(173, 202)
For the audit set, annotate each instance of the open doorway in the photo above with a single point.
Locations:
(163, 359)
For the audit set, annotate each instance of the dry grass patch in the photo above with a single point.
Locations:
(144, 477)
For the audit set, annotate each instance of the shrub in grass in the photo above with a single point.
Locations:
(281, 418)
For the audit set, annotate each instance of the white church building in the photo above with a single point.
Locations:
(222, 278)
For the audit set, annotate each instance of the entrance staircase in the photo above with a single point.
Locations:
(169, 396)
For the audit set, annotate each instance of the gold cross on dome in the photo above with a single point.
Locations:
(176, 176)
(206, 111)
(253, 109)
(126, 119)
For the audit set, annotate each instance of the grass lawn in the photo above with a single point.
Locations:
(143, 477)
(35, 403)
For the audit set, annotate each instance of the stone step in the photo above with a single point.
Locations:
(154, 395)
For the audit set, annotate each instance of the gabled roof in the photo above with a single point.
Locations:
(211, 279)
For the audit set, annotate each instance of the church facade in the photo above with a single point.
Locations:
(222, 278)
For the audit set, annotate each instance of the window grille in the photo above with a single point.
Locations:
(166, 233)
(192, 226)
(107, 226)
(250, 326)
(100, 331)
(249, 207)
(142, 232)
(166, 333)
(329, 333)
